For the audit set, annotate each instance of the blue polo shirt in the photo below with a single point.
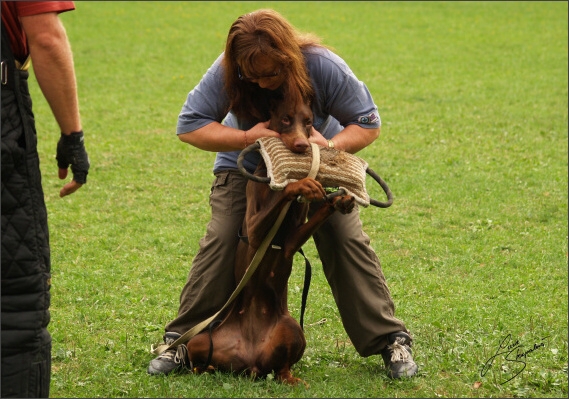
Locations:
(340, 100)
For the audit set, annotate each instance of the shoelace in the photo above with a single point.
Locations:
(398, 351)
(178, 355)
(169, 354)
(181, 355)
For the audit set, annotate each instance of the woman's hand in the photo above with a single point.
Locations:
(261, 129)
(317, 138)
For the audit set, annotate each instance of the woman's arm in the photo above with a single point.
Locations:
(351, 139)
(217, 137)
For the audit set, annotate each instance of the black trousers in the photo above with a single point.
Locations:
(26, 279)
(27, 374)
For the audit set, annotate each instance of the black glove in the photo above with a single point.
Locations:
(71, 150)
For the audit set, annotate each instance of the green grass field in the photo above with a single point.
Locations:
(473, 100)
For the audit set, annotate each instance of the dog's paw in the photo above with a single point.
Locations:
(344, 204)
(305, 190)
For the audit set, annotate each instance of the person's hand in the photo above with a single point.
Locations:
(71, 151)
(261, 129)
(317, 138)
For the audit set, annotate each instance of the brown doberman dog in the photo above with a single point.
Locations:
(258, 336)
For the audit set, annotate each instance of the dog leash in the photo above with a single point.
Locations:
(306, 286)
(161, 348)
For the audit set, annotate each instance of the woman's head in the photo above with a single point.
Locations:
(263, 55)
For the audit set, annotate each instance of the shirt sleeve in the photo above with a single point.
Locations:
(207, 102)
(27, 8)
(13, 10)
(339, 92)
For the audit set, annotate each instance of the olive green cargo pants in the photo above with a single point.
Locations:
(351, 267)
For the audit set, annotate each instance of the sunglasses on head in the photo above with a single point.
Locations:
(252, 78)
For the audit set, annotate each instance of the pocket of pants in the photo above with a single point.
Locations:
(219, 182)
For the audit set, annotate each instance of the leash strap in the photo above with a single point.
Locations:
(307, 278)
(307, 267)
(161, 348)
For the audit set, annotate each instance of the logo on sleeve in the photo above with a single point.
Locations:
(368, 119)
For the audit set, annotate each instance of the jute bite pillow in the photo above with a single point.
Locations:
(337, 168)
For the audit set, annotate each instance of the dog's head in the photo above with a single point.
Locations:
(293, 120)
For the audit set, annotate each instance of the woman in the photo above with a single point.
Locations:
(266, 57)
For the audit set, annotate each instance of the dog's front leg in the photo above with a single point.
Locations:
(344, 204)
(264, 204)
(299, 236)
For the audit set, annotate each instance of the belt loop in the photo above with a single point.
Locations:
(4, 73)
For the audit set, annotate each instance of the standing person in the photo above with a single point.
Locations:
(265, 56)
(32, 31)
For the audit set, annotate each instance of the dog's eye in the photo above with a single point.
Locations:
(308, 122)
(285, 120)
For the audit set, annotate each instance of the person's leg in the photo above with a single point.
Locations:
(26, 278)
(358, 285)
(211, 279)
(27, 374)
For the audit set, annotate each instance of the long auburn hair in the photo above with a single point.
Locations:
(266, 32)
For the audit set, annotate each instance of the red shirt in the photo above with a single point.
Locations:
(13, 10)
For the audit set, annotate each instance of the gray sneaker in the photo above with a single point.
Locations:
(174, 359)
(397, 356)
